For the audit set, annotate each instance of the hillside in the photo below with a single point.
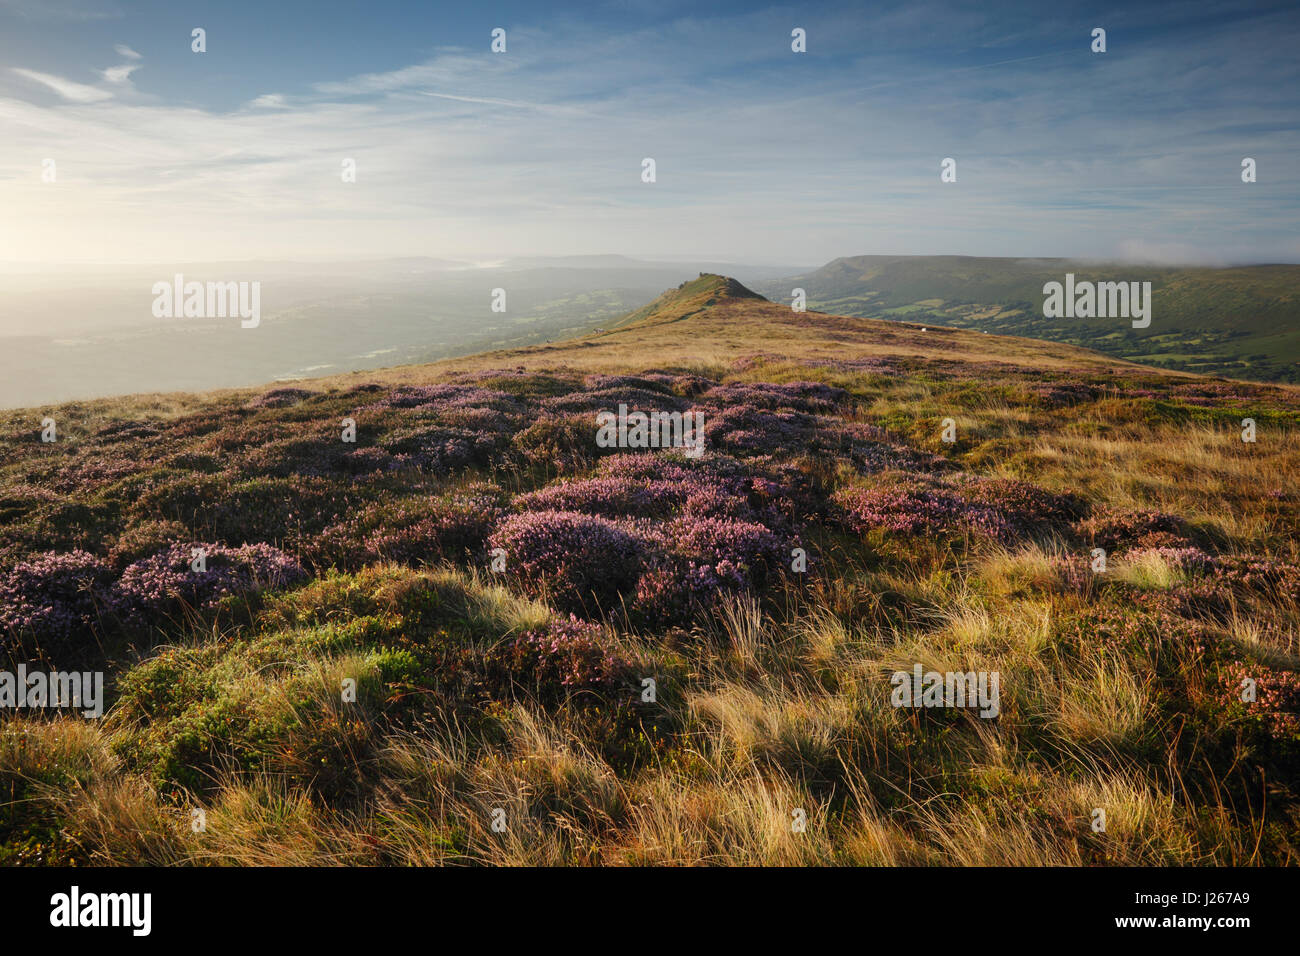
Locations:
(1240, 322)
(477, 634)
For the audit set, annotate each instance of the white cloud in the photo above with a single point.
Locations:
(120, 74)
(472, 155)
(123, 50)
(269, 101)
(76, 92)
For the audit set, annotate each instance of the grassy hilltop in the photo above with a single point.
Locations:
(1241, 322)
(369, 564)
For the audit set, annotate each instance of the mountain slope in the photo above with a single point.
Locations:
(689, 298)
(498, 585)
(1242, 322)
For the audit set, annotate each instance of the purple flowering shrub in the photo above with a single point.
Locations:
(809, 397)
(608, 399)
(1114, 530)
(1279, 580)
(167, 582)
(456, 528)
(453, 526)
(901, 505)
(443, 398)
(582, 563)
(658, 485)
(281, 398)
(563, 444)
(704, 528)
(696, 562)
(1276, 708)
(1063, 394)
(143, 539)
(745, 429)
(1190, 559)
(52, 600)
(998, 508)
(567, 656)
(1023, 508)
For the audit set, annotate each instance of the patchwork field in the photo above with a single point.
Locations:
(472, 636)
(1240, 322)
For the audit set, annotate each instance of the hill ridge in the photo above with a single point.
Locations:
(690, 298)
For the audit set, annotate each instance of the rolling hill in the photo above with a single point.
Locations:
(1241, 322)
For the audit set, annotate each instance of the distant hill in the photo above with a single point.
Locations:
(688, 299)
(1241, 322)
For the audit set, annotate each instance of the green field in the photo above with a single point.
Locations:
(1241, 322)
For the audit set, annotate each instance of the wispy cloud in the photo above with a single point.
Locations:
(760, 153)
(120, 74)
(69, 90)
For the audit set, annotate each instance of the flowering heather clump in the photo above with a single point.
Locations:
(441, 449)
(900, 506)
(318, 457)
(583, 562)
(143, 539)
(1277, 696)
(608, 496)
(1024, 507)
(658, 484)
(608, 399)
(368, 460)
(456, 529)
(1115, 529)
(869, 449)
(1203, 599)
(686, 384)
(649, 383)
(281, 398)
(1064, 394)
(167, 581)
(567, 655)
(738, 550)
(563, 443)
(694, 562)
(444, 397)
(128, 431)
(999, 508)
(51, 599)
(1214, 393)
(1190, 559)
(276, 509)
(1261, 575)
(811, 397)
(756, 431)
(240, 436)
(87, 474)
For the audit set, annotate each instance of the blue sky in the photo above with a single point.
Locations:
(762, 155)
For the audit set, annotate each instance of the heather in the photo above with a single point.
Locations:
(650, 658)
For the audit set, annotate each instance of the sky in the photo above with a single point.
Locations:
(762, 155)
